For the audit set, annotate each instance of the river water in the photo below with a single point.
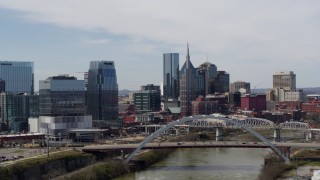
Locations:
(209, 163)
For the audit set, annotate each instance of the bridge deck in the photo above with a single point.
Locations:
(208, 144)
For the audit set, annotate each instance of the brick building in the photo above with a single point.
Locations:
(204, 106)
(255, 102)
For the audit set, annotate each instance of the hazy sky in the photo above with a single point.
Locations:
(250, 40)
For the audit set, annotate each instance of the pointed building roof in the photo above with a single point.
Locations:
(188, 57)
(187, 64)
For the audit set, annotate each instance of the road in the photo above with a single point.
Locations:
(205, 144)
(26, 152)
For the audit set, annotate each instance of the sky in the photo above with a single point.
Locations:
(250, 39)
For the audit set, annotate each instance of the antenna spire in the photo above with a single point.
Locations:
(188, 56)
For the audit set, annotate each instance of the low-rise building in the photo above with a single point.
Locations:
(256, 102)
(204, 106)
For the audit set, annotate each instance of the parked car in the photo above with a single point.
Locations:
(179, 143)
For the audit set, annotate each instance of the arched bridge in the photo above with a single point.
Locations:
(217, 121)
(256, 123)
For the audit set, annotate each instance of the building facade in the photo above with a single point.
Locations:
(2, 85)
(62, 96)
(203, 106)
(150, 87)
(188, 86)
(284, 80)
(222, 82)
(15, 111)
(18, 76)
(62, 106)
(256, 102)
(298, 96)
(207, 73)
(147, 101)
(102, 92)
(239, 86)
(171, 75)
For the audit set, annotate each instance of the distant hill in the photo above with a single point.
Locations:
(125, 92)
(311, 90)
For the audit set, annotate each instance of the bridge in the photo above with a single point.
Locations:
(219, 122)
(206, 144)
(257, 123)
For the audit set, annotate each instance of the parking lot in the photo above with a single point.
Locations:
(12, 154)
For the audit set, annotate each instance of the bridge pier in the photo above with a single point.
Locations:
(276, 135)
(219, 136)
(122, 155)
(308, 135)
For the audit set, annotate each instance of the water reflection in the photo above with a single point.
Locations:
(210, 163)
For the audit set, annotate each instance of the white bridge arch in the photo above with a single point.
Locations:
(215, 121)
(294, 125)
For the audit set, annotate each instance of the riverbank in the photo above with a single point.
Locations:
(41, 167)
(302, 165)
(115, 168)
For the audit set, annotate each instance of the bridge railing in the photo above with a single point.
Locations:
(200, 118)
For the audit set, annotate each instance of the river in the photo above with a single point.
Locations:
(209, 163)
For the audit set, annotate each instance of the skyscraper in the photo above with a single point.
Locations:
(18, 76)
(171, 75)
(222, 82)
(284, 80)
(102, 92)
(207, 73)
(188, 86)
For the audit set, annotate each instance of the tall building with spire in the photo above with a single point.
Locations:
(188, 85)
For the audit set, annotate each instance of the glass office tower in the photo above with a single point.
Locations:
(18, 76)
(62, 106)
(62, 96)
(171, 75)
(102, 92)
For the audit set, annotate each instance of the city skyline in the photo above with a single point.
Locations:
(249, 40)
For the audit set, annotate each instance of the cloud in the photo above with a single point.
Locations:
(268, 35)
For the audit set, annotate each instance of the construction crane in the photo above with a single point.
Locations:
(255, 86)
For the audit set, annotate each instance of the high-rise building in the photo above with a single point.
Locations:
(34, 101)
(2, 85)
(147, 101)
(18, 76)
(222, 82)
(188, 86)
(62, 106)
(240, 86)
(207, 73)
(62, 95)
(15, 111)
(284, 80)
(171, 75)
(102, 92)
